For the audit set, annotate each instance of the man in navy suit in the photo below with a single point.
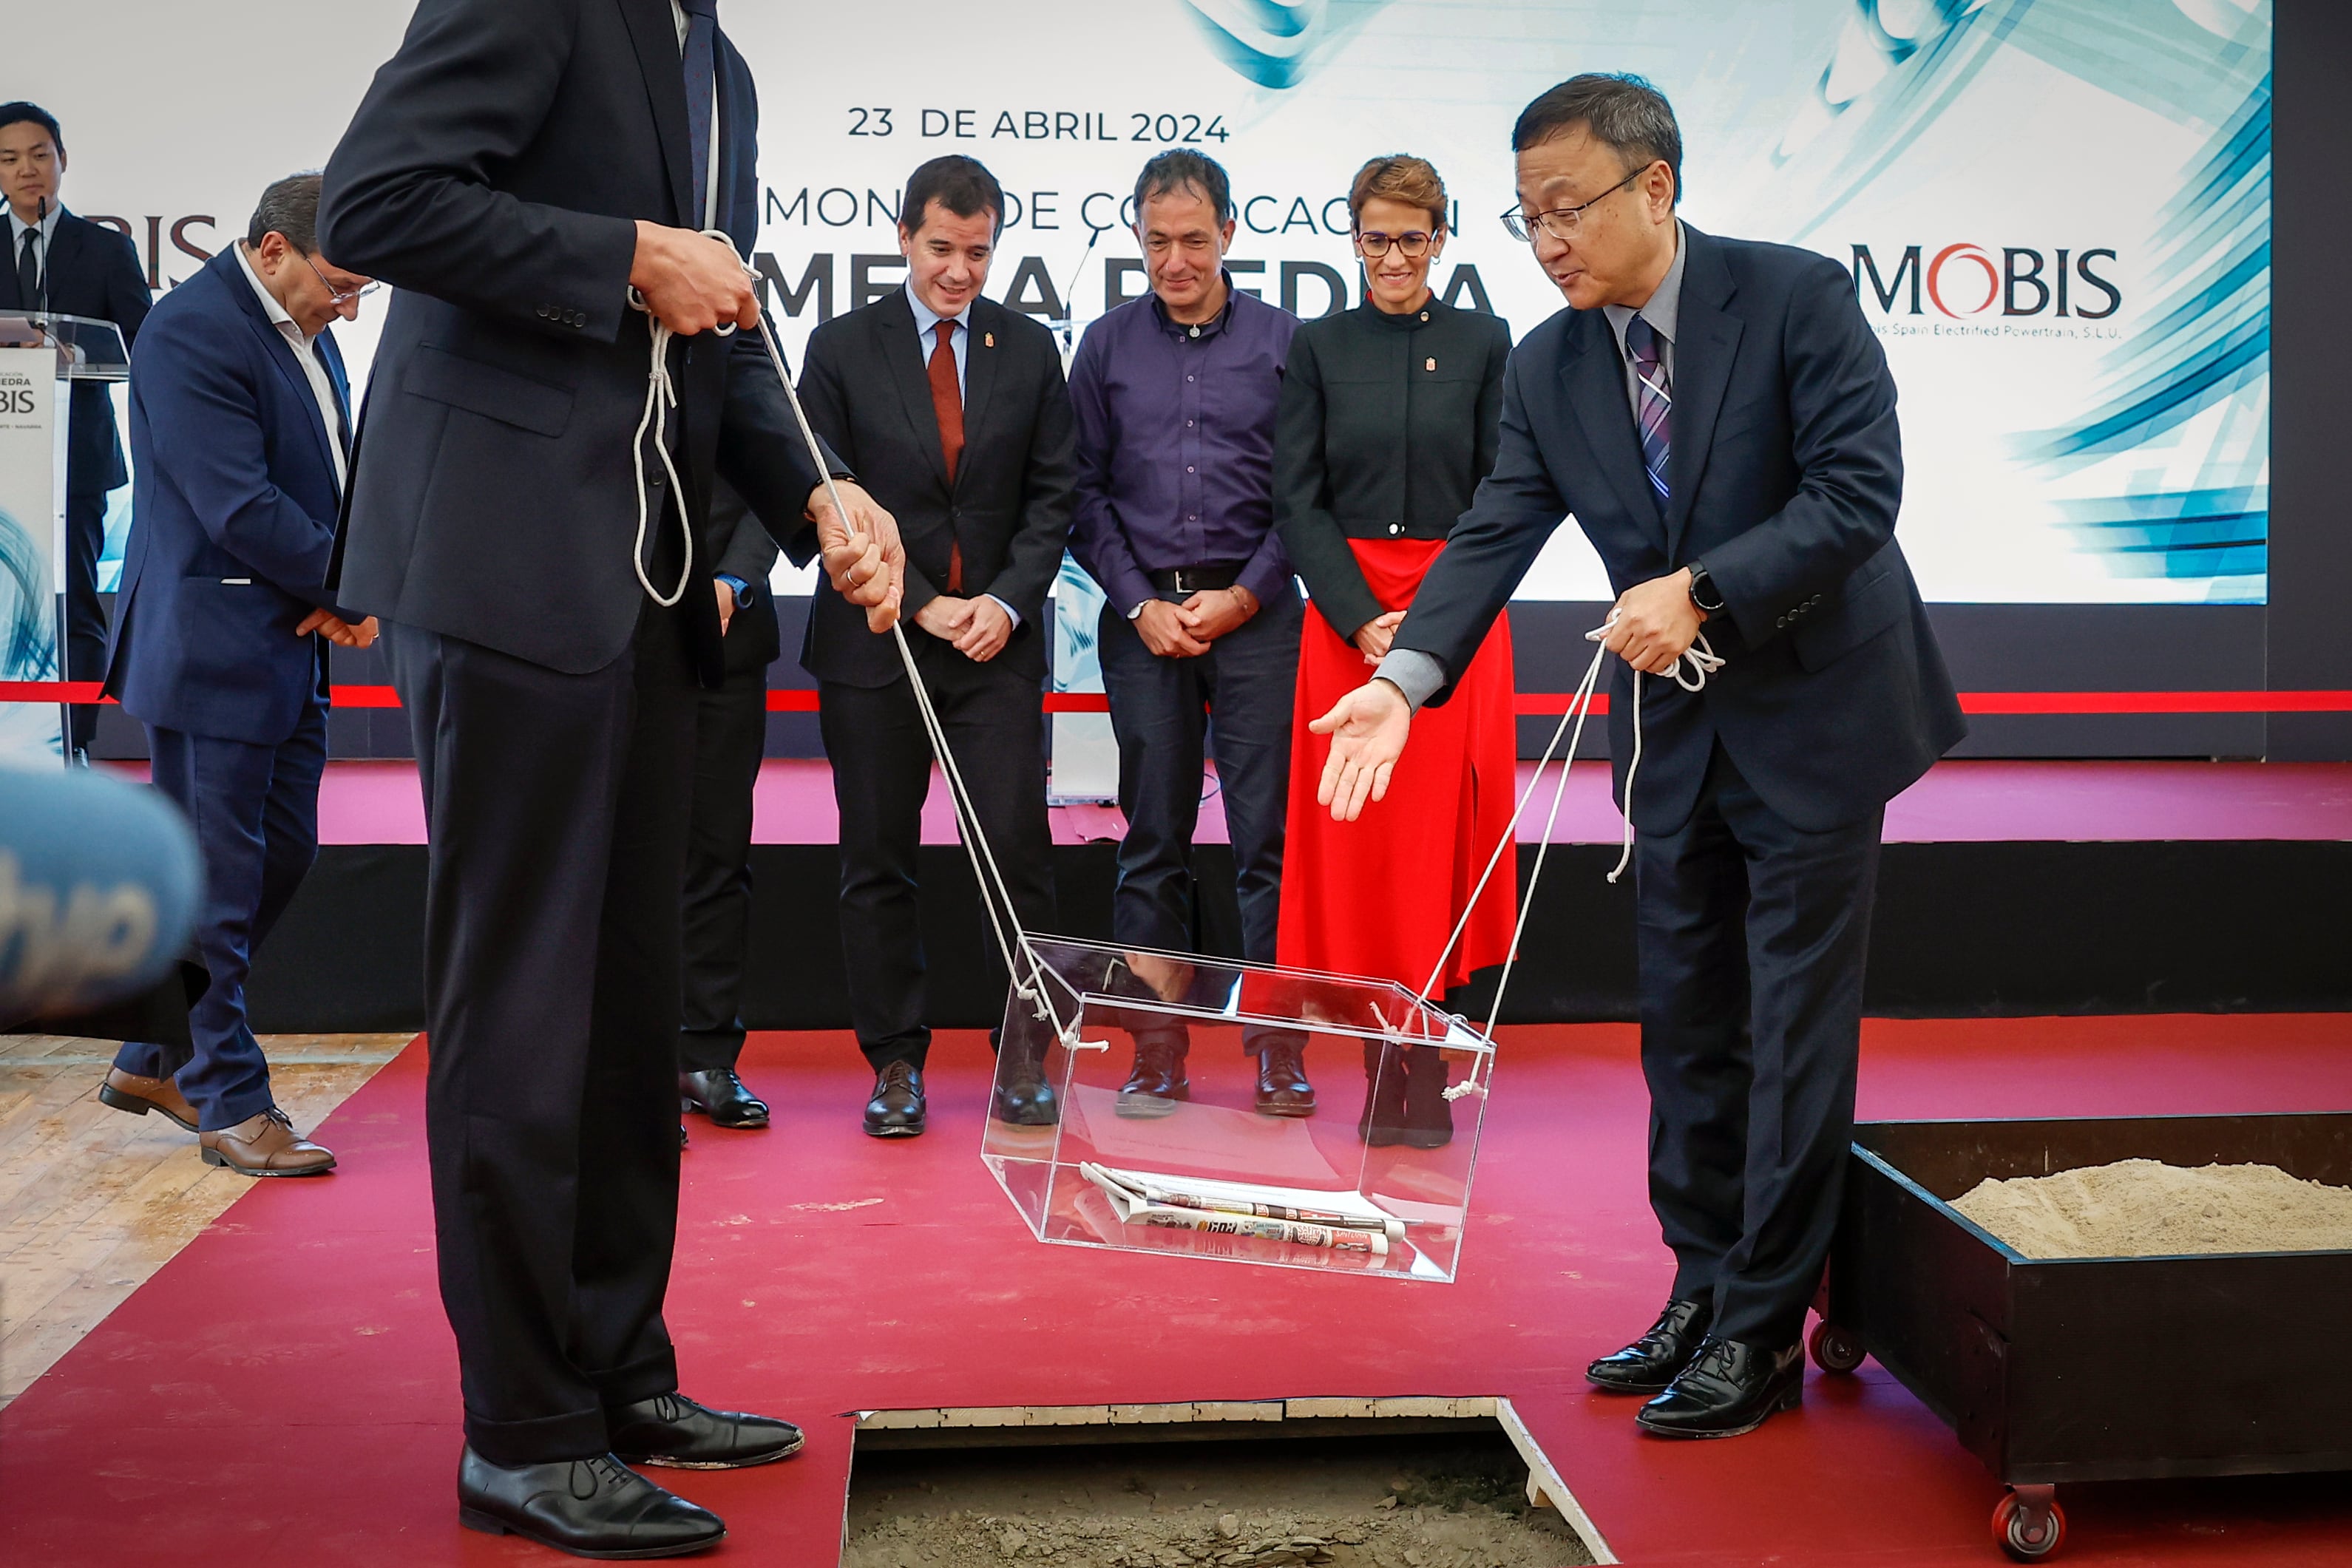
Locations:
(240, 426)
(1718, 417)
(65, 265)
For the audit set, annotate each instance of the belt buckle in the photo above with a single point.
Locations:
(1185, 581)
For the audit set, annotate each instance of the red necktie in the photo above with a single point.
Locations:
(947, 402)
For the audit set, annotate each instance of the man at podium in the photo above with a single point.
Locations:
(65, 266)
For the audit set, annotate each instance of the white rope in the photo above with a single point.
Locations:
(661, 396)
(1703, 661)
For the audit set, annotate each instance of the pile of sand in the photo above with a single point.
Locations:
(2141, 1208)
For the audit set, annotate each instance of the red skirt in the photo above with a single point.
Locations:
(1379, 896)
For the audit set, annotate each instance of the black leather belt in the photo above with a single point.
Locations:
(1206, 579)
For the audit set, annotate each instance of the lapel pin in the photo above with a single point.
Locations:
(1429, 364)
(988, 339)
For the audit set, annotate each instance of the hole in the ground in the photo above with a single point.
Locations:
(1388, 1484)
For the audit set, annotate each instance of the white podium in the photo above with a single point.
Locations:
(41, 358)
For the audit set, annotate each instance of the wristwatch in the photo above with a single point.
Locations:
(736, 585)
(1703, 591)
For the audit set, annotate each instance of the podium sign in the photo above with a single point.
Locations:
(41, 356)
(33, 418)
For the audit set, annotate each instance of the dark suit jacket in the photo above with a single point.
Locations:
(753, 640)
(865, 391)
(93, 271)
(233, 517)
(1785, 474)
(494, 174)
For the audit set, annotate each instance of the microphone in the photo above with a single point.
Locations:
(99, 882)
(41, 217)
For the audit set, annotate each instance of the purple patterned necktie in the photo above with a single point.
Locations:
(1656, 407)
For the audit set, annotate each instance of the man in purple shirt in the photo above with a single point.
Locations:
(1175, 396)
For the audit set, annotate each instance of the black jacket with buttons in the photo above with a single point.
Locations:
(493, 175)
(1387, 424)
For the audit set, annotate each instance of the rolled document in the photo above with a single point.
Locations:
(1133, 1191)
(1337, 1239)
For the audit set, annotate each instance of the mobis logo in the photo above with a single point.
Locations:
(1963, 280)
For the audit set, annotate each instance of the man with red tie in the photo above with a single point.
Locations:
(955, 411)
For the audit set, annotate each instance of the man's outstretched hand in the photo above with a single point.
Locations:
(862, 553)
(691, 282)
(1367, 731)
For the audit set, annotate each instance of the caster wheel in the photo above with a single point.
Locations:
(1834, 1349)
(2028, 1533)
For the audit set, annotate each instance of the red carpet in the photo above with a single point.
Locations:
(284, 1391)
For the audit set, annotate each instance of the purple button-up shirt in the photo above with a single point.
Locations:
(1175, 430)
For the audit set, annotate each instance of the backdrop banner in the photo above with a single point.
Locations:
(2056, 212)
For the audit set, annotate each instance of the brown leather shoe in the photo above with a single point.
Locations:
(265, 1146)
(130, 1091)
(1282, 1086)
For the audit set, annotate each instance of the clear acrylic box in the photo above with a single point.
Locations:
(1374, 1180)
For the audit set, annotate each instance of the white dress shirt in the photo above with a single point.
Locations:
(322, 387)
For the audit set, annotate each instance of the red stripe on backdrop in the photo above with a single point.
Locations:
(1529, 704)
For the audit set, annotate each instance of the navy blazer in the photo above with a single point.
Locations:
(93, 271)
(233, 517)
(1785, 474)
(493, 175)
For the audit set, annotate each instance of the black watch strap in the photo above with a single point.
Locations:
(1703, 591)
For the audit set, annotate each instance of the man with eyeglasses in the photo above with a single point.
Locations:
(1719, 419)
(240, 429)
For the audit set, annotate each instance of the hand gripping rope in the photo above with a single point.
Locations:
(1012, 943)
(1690, 672)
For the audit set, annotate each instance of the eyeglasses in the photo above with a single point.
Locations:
(339, 296)
(1561, 223)
(1414, 244)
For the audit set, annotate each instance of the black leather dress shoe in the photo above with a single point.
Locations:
(1730, 1388)
(719, 1094)
(1025, 1099)
(673, 1431)
(897, 1109)
(1156, 1081)
(1282, 1086)
(1658, 1357)
(590, 1508)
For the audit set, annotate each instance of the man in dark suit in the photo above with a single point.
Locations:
(730, 733)
(71, 266)
(1717, 415)
(956, 409)
(240, 420)
(522, 170)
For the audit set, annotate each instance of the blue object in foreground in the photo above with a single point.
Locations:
(99, 885)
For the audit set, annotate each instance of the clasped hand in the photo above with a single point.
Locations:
(978, 626)
(1186, 631)
(343, 633)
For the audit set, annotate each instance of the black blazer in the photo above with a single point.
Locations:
(1785, 474)
(93, 271)
(867, 393)
(494, 174)
(1386, 426)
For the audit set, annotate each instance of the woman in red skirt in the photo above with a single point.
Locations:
(1388, 418)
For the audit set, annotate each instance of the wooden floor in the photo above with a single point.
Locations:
(93, 1201)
